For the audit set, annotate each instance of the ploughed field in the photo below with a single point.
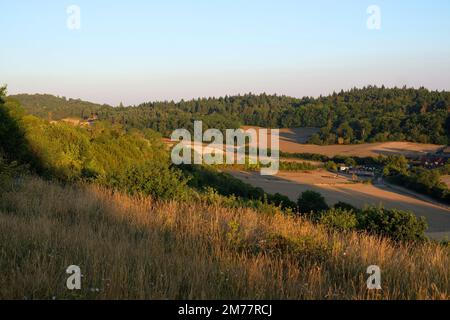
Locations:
(339, 188)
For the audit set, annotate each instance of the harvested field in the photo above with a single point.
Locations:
(337, 188)
(293, 140)
(295, 135)
(408, 149)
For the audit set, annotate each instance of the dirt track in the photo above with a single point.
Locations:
(336, 189)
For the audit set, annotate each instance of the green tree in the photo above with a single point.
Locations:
(345, 131)
(395, 165)
(339, 219)
(397, 224)
(311, 202)
(331, 165)
(350, 162)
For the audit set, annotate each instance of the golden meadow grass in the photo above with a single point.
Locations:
(137, 248)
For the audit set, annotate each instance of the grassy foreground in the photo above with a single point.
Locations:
(137, 248)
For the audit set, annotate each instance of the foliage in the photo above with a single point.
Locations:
(424, 181)
(339, 219)
(297, 166)
(136, 162)
(345, 206)
(341, 159)
(369, 114)
(206, 177)
(49, 107)
(395, 165)
(397, 224)
(331, 165)
(311, 202)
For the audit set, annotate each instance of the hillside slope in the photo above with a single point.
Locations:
(50, 107)
(139, 248)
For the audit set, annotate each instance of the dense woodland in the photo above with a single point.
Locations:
(370, 114)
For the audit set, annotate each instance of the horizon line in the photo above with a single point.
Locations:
(342, 90)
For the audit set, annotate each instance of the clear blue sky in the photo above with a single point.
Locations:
(135, 51)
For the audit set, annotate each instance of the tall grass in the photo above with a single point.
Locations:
(137, 248)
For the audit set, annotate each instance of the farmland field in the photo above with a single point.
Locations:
(337, 188)
(293, 140)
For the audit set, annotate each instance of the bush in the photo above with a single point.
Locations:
(154, 179)
(331, 165)
(281, 201)
(345, 206)
(297, 166)
(395, 165)
(350, 162)
(311, 202)
(397, 224)
(343, 220)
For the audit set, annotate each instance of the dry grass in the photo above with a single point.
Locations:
(135, 248)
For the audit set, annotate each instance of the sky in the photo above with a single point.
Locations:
(145, 50)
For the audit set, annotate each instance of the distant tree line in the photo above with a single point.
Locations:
(370, 114)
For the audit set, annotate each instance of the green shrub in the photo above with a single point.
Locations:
(345, 206)
(281, 201)
(339, 219)
(202, 177)
(297, 166)
(154, 179)
(395, 165)
(311, 202)
(331, 165)
(396, 224)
